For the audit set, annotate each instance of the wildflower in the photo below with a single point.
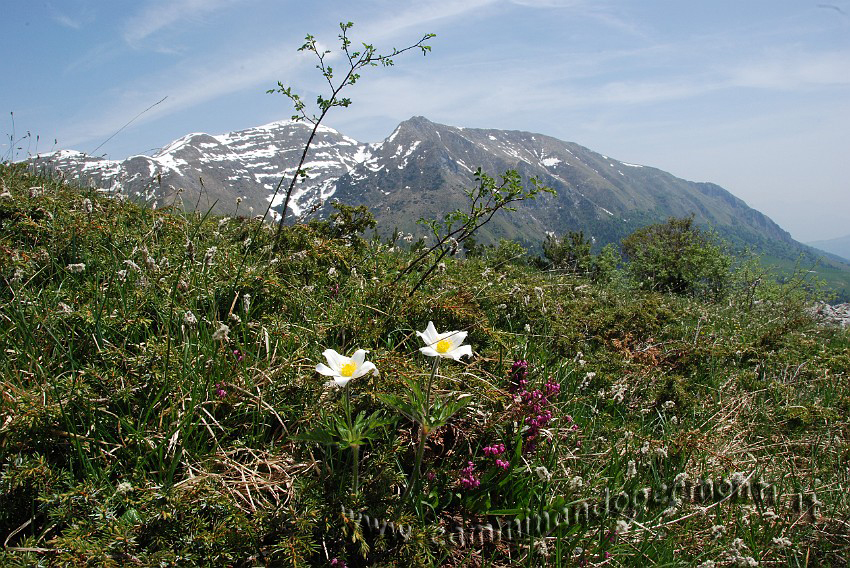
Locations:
(519, 375)
(543, 473)
(124, 487)
(246, 302)
(337, 563)
(782, 542)
(494, 450)
(76, 268)
(342, 369)
(222, 333)
(219, 390)
(132, 265)
(668, 404)
(717, 531)
(446, 344)
(631, 469)
(64, 308)
(87, 206)
(468, 479)
(209, 255)
(504, 464)
(331, 271)
(622, 527)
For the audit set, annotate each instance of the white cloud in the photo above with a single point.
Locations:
(162, 14)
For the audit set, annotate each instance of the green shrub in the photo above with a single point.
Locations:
(679, 257)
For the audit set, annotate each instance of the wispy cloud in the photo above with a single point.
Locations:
(161, 14)
(67, 21)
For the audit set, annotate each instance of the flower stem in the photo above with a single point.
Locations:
(355, 454)
(430, 382)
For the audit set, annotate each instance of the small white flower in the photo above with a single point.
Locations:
(222, 333)
(446, 344)
(543, 473)
(76, 268)
(782, 542)
(631, 469)
(622, 527)
(342, 369)
(189, 319)
(124, 487)
(717, 531)
(209, 255)
(87, 206)
(64, 308)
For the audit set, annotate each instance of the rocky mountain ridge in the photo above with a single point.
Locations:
(420, 170)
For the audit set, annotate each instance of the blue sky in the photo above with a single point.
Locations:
(753, 95)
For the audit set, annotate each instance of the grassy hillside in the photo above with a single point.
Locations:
(161, 404)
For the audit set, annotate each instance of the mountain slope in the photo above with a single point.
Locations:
(213, 171)
(421, 170)
(839, 246)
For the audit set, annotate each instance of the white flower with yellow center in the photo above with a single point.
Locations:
(342, 369)
(448, 344)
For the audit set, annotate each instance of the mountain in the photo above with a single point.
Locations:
(839, 246)
(211, 172)
(420, 170)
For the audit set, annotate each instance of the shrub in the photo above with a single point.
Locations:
(571, 252)
(679, 257)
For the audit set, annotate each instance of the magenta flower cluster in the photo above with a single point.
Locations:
(467, 478)
(519, 376)
(533, 405)
(496, 450)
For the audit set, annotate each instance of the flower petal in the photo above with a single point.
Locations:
(457, 337)
(359, 356)
(335, 360)
(456, 354)
(341, 381)
(429, 336)
(325, 370)
(365, 368)
(429, 351)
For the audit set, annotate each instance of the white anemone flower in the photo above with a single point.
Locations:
(342, 369)
(446, 344)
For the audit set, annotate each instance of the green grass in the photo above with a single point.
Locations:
(130, 435)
